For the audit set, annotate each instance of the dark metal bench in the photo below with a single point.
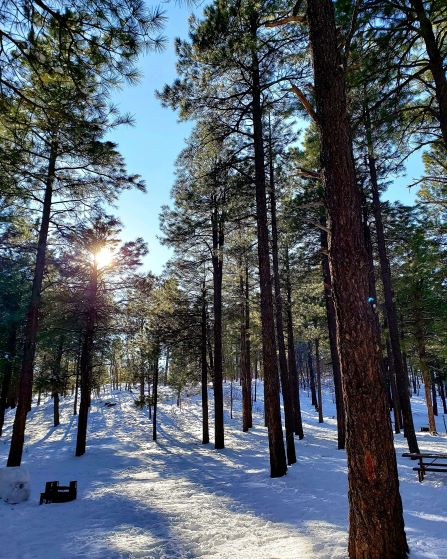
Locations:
(428, 463)
(55, 493)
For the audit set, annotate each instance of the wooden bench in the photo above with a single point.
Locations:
(55, 493)
(428, 463)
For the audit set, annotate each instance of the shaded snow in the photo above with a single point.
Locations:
(179, 499)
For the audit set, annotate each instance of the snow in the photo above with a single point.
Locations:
(179, 499)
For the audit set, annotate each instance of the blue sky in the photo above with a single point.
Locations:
(151, 146)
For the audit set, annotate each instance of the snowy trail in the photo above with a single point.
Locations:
(178, 499)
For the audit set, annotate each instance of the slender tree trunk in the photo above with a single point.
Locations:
(442, 394)
(282, 357)
(165, 380)
(332, 328)
(218, 241)
(57, 381)
(155, 392)
(436, 63)
(310, 368)
(376, 528)
(291, 355)
(204, 365)
(433, 393)
(247, 421)
(423, 362)
(78, 370)
(393, 387)
(390, 305)
(32, 319)
(318, 367)
(7, 373)
(86, 363)
(278, 465)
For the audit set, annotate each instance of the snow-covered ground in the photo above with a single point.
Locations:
(180, 499)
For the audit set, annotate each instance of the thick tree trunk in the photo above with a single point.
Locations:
(86, 363)
(245, 364)
(282, 357)
(204, 367)
(318, 367)
(218, 242)
(390, 305)
(278, 465)
(291, 355)
(436, 63)
(332, 328)
(376, 527)
(32, 319)
(7, 373)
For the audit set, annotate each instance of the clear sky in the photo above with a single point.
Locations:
(151, 146)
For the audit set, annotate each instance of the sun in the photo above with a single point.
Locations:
(104, 257)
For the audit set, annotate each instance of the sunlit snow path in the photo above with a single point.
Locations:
(180, 499)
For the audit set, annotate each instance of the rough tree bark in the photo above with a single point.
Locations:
(32, 319)
(376, 527)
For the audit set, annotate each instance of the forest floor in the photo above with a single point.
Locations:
(179, 499)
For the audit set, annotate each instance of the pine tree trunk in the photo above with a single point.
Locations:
(204, 367)
(433, 394)
(282, 357)
(310, 368)
(57, 380)
(436, 63)
(278, 465)
(393, 387)
(155, 392)
(247, 421)
(78, 369)
(376, 528)
(56, 419)
(291, 356)
(390, 305)
(32, 319)
(7, 373)
(86, 363)
(423, 362)
(318, 367)
(332, 328)
(218, 241)
(442, 394)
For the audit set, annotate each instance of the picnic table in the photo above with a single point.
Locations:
(428, 462)
(55, 493)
